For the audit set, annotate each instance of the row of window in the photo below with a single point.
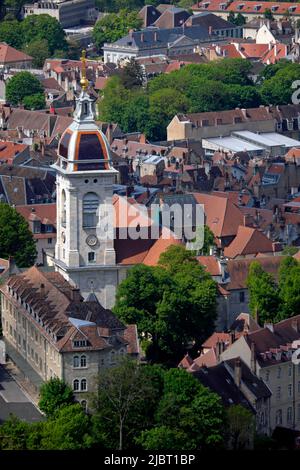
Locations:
(80, 385)
(289, 415)
(290, 391)
(279, 372)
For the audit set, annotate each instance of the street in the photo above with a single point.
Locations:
(13, 400)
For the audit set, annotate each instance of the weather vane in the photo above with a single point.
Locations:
(83, 81)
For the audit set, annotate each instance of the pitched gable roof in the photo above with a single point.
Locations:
(9, 55)
(248, 241)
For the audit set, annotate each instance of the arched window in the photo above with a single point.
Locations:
(76, 385)
(279, 417)
(83, 385)
(63, 208)
(83, 361)
(90, 206)
(75, 361)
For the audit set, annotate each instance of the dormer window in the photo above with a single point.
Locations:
(82, 343)
(257, 7)
(274, 7)
(36, 227)
(240, 6)
(223, 6)
(48, 228)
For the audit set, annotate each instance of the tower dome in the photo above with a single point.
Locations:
(83, 146)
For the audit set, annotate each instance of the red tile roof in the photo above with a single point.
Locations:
(10, 55)
(248, 241)
(215, 338)
(222, 216)
(39, 212)
(247, 7)
(211, 264)
(8, 150)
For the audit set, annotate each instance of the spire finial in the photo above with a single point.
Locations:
(83, 81)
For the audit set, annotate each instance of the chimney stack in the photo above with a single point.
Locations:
(237, 372)
(75, 294)
(253, 360)
(295, 325)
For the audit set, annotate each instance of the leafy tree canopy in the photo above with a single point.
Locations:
(39, 27)
(264, 298)
(36, 101)
(10, 32)
(21, 85)
(173, 304)
(112, 27)
(16, 239)
(39, 50)
(54, 394)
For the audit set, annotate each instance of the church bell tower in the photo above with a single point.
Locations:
(84, 252)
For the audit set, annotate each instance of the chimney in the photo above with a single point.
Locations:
(155, 36)
(246, 220)
(210, 30)
(43, 291)
(142, 37)
(295, 325)
(275, 50)
(223, 266)
(75, 294)
(109, 133)
(232, 337)
(237, 372)
(143, 139)
(253, 361)
(220, 347)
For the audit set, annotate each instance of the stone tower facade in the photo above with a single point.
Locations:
(84, 252)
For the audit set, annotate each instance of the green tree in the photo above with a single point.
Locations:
(264, 297)
(173, 305)
(39, 50)
(14, 434)
(21, 85)
(240, 19)
(132, 74)
(36, 101)
(231, 17)
(114, 26)
(268, 14)
(125, 401)
(16, 239)
(290, 250)
(54, 394)
(163, 438)
(39, 27)
(240, 427)
(163, 105)
(68, 429)
(278, 88)
(11, 33)
(289, 290)
(191, 414)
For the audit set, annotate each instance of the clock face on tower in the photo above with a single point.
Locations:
(92, 240)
